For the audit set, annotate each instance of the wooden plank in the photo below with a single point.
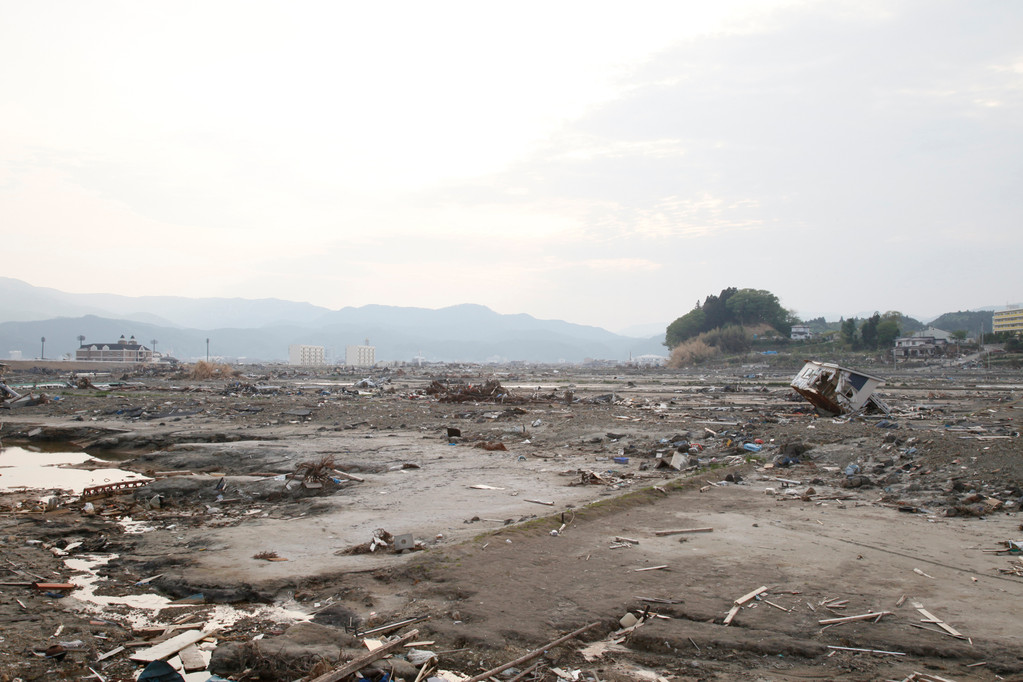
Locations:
(850, 619)
(771, 603)
(940, 623)
(749, 597)
(867, 651)
(549, 504)
(350, 477)
(679, 531)
(55, 586)
(348, 668)
(528, 657)
(192, 659)
(732, 612)
(167, 649)
(651, 568)
(112, 652)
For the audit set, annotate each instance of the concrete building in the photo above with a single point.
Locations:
(361, 356)
(124, 350)
(306, 355)
(1008, 320)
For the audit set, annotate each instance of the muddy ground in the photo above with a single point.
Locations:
(516, 546)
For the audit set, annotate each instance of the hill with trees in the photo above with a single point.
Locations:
(973, 322)
(732, 307)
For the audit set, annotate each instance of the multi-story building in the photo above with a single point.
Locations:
(361, 356)
(306, 355)
(801, 332)
(923, 344)
(1008, 320)
(123, 351)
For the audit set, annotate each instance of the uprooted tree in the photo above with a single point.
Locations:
(732, 307)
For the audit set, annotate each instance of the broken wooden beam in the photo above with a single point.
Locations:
(749, 597)
(392, 626)
(850, 619)
(58, 587)
(866, 651)
(679, 531)
(521, 659)
(352, 666)
(350, 477)
(931, 618)
(192, 659)
(112, 652)
(169, 647)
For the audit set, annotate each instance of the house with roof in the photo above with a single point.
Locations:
(124, 350)
(926, 343)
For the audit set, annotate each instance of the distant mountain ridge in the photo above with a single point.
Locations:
(22, 302)
(262, 330)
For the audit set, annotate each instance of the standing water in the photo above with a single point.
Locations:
(21, 468)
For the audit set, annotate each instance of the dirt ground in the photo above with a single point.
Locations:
(516, 546)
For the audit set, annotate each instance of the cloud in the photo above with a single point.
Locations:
(553, 159)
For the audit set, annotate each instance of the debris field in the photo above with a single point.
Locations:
(462, 523)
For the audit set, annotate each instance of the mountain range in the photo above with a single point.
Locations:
(262, 329)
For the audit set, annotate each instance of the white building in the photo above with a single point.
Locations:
(923, 344)
(836, 390)
(306, 355)
(800, 332)
(360, 356)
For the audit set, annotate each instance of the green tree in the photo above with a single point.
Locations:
(685, 327)
(959, 334)
(887, 332)
(715, 309)
(868, 330)
(750, 306)
(849, 331)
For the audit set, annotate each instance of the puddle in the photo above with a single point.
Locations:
(21, 468)
(143, 608)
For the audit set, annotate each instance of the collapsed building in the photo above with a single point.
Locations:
(836, 390)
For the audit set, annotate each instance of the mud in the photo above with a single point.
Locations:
(240, 472)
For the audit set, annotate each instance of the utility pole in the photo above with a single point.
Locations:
(154, 349)
(207, 350)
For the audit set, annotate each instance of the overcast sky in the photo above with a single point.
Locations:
(601, 163)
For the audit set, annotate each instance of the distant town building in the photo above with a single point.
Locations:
(927, 343)
(361, 356)
(306, 355)
(125, 350)
(801, 332)
(651, 360)
(1008, 320)
(15, 355)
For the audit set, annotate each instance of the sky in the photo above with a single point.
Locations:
(601, 163)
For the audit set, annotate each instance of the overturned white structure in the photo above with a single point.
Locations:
(835, 390)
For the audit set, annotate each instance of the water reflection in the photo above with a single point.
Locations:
(21, 468)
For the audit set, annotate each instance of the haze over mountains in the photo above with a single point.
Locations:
(262, 330)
